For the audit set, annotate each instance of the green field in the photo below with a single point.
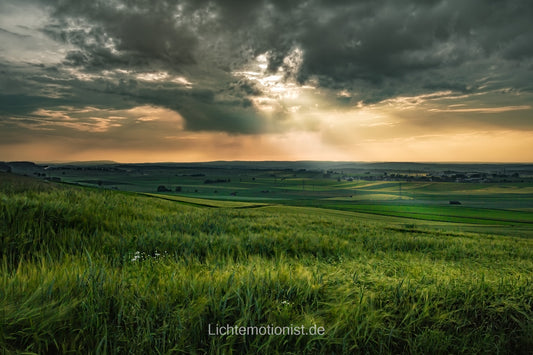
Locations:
(495, 205)
(95, 270)
(445, 213)
(205, 202)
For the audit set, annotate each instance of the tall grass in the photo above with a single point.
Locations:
(99, 271)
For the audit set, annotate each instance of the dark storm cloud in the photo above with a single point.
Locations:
(343, 42)
(374, 49)
(202, 109)
(372, 45)
(110, 38)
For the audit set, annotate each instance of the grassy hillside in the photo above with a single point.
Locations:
(206, 202)
(86, 270)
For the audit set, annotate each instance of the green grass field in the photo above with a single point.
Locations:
(206, 202)
(445, 213)
(91, 270)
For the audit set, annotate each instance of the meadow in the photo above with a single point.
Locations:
(102, 271)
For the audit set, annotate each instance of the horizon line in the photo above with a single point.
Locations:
(267, 161)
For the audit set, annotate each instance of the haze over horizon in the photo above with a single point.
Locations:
(187, 81)
(200, 162)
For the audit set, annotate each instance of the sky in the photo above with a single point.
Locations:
(197, 80)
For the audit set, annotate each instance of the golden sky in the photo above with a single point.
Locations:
(194, 81)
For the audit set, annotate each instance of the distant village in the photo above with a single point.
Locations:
(367, 172)
(446, 176)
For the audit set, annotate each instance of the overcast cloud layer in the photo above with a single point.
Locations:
(181, 77)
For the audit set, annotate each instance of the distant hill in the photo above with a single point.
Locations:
(4, 167)
(25, 166)
(22, 164)
(81, 163)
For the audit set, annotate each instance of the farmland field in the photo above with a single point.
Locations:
(381, 266)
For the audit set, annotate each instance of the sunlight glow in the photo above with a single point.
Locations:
(281, 86)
